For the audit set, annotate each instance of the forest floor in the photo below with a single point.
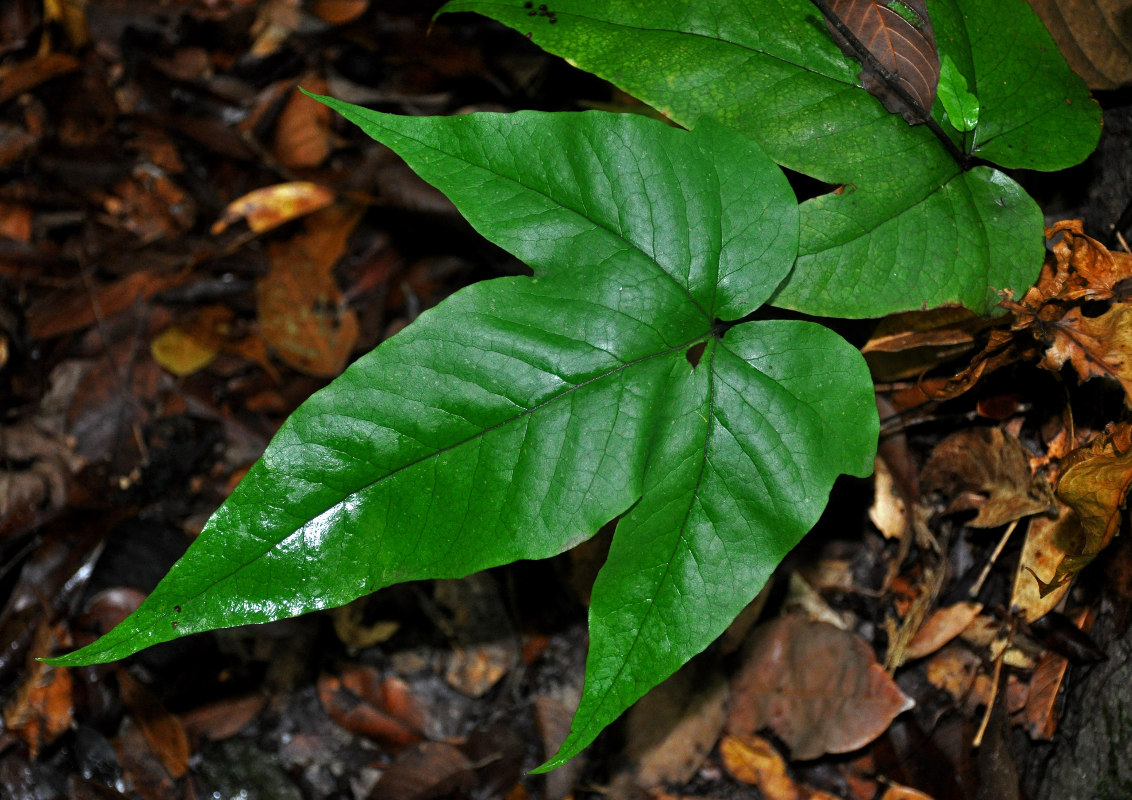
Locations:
(189, 248)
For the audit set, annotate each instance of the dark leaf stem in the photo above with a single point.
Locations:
(871, 62)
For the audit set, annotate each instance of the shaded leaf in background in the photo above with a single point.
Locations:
(820, 689)
(986, 469)
(898, 34)
(670, 732)
(1094, 483)
(163, 731)
(522, 414)
(1095, 36)
(910, 229)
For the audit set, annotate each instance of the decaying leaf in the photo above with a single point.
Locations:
(39, 711)
(908, 344)
(302, 133)
(940, 628)
(898, 33)
(163, 732)
(1097, 347)
(985, 469)
(1044, 548)
(672, 729)
(1081, 267)
(1093, 36)
(818, 688)
(299, 304)
(363, 703)
(1095, 483)
(271, 206)
(753, 760)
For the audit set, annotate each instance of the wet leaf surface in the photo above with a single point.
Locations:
(118, 155)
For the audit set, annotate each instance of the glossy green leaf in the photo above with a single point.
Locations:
(770, 69)
(521, 414)
(961, 106)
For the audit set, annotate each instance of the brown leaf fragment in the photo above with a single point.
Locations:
(302, 133)
(40, 709)
(15, 79)
(1046, 545)
(363, 703)
(985, 469)
(272, 206)
(940, 628)
(1095, 36)
(1094, 483)
(300, 307)
(163, 731)
(670, 731)
(1081, 267)
(899, 35)
(754, 761)
(897, 792)
(224, 718)
(907, 345)
(430, 770)
(1096, 347)
(818, 688)
(339, 12)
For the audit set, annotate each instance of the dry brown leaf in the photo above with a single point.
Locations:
(54, 316)
(339, 12)
(818, 688)
(1096, 347)
(940, 628)
(1094, 483)
(954, 669)
(1039, 716)
(430, 770)
(754, 761)
(302, 133)
(272, 206)
(299, 304)
(1081, 268)
(985, 469)
(897, 792)
(361, 702)
(16, 222)
(670, 731)
(39, 711)
(909, 344)
(1095, 36)
(224, 718)
(163, 732)
(23, 76)
(1046, 545)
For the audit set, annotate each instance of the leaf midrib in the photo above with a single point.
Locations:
(437, 453)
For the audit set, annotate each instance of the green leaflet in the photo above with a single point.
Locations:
(961, 106)
(521, 414)
(769, 69)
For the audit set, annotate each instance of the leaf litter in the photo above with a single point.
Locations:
(107, 249)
